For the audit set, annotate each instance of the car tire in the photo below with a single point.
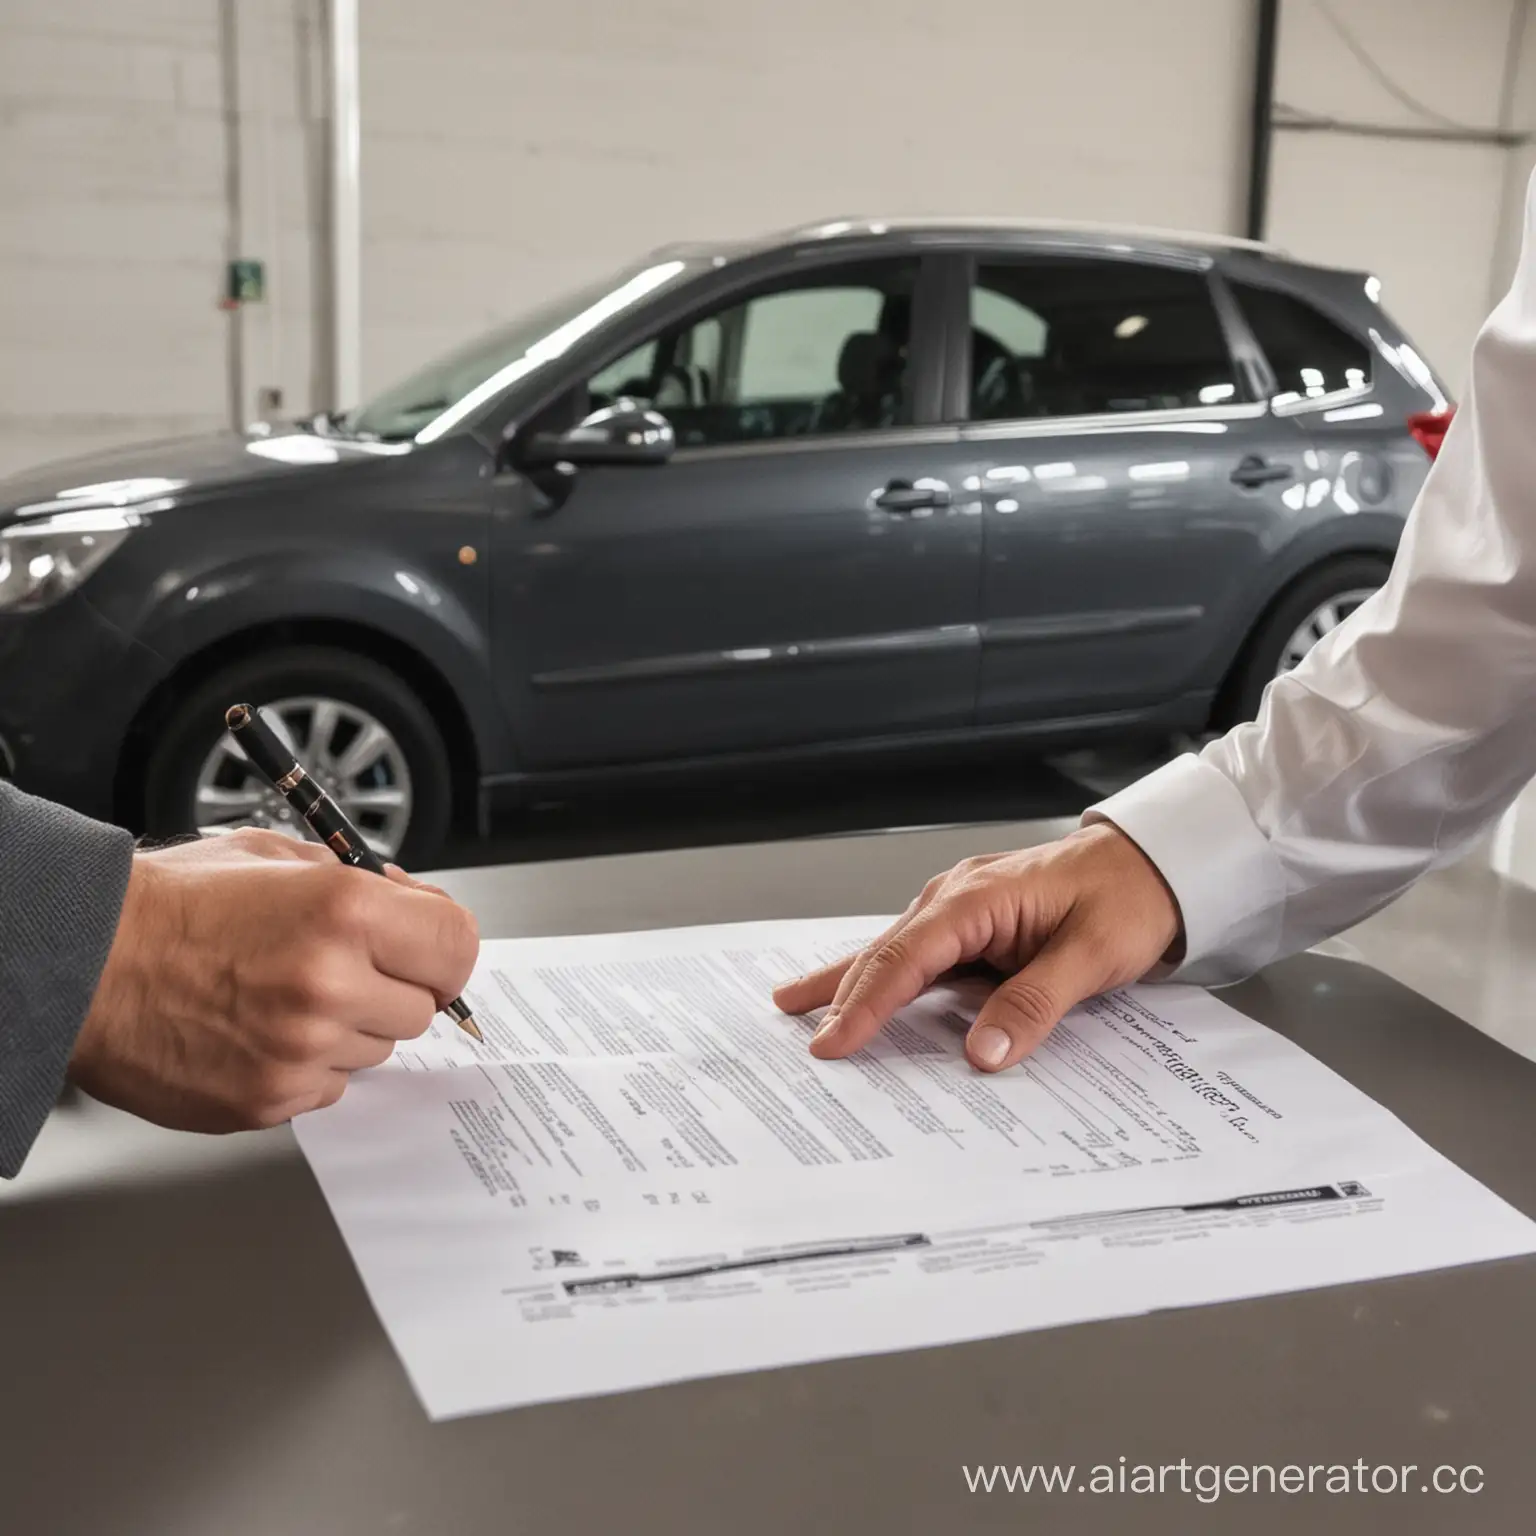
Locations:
(196, 722)
(1262, 656)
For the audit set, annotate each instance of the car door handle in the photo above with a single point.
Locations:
(1253, 472)
(904, 496)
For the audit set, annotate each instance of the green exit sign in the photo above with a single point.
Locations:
(247, 282)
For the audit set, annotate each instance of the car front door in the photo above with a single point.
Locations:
(1130, 482)
(800, 572)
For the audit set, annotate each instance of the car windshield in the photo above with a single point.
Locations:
(438, 397)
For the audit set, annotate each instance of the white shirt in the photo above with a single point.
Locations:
(1405, 732)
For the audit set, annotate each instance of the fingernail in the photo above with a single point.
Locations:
(990, 1045)
(827, 1025)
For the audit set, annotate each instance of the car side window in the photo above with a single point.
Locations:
(826, 354)
(1310, 355)
(1063, 337)
(627, 375)
(1004, 319)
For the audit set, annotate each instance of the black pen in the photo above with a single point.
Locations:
(277, 764)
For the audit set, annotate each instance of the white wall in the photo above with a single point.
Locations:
(112, 186)
(116, 216)
(510, 150)
(514, 150)
(1426, 217)
(1520, 162)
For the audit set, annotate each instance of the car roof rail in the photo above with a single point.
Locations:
(826, 229)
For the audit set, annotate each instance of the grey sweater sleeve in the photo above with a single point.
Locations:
(62, 883)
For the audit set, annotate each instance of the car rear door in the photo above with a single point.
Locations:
(1129, 476)
(800, 572)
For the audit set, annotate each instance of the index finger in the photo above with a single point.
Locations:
(404, 877)
(803, 993)
(900, 968)
(421, 937)
(812, 990)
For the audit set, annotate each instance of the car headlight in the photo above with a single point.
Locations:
(43, 558)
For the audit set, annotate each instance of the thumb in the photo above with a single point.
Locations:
(1028, 1006)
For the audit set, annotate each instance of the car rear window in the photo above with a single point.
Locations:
(1310, 354)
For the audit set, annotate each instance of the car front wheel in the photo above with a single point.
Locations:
(358, 728)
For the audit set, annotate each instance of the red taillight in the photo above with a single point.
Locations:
(1429, 428)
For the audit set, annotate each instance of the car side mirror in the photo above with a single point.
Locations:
(622, 433)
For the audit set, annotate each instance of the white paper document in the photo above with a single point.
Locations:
(642, 1176)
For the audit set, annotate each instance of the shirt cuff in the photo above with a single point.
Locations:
(1192, 822)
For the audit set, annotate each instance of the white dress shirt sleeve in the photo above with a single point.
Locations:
(1403, 734)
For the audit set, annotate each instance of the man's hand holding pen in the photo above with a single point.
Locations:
(252, 974)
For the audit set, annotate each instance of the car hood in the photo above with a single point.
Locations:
(179, 467)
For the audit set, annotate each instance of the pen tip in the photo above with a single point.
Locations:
(471, 1029)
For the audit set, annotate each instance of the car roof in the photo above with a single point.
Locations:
(1119, 238)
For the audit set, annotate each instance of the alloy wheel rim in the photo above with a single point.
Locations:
(1323, 620)
(351, 754)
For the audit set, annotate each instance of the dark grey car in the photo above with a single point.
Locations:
(853, 488)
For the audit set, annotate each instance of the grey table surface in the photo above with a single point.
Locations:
(187, 1350)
